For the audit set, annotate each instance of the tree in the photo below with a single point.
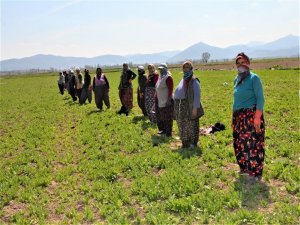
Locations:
(205, 57)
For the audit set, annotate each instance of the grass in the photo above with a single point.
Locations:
(63, 163)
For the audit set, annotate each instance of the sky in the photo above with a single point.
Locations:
(91, 28)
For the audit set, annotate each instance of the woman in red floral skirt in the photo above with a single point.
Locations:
(248, 121)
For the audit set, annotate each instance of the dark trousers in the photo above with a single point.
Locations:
(72, 92)
(61, 88)
(141, 102)
(85, 94)
(101, 94)
(78, 93)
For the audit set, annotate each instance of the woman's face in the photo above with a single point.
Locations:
(242, 62)
(186, 67)
(99, 71)
(125, 67)
(151, 69)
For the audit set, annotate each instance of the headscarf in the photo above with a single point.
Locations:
(188, 74)
(242, 55)
(98, 69)
(141, 70)
(243, 70)
(152, 71)
(125, 69)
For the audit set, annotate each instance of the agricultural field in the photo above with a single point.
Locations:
(62, 163)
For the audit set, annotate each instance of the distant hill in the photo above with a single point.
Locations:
(284, 47)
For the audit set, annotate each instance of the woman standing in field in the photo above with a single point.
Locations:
(142, 80)
(86, 88)
(61, 83)
(164, 102)
(71, 85)
(247, 120)
(78, 82)
(187, 107)
(125, 89)
(150, 92)
(101, 89)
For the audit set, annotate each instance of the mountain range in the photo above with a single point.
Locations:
(287, 46)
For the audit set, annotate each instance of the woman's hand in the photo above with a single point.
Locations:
(257, 120)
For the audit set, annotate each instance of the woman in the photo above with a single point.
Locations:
(188, 108)
(142, 80)
(61, 83)
(248, 121)
(150, 92)
(125, 89)
(86, 88)
(164, 102)
(101, 89)
(78, 81)
(71, 85)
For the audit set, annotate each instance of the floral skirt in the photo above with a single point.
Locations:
(188, 129)
(150, 103)
(126, 97)
(249, 146)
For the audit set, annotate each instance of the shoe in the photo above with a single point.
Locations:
(161, 132)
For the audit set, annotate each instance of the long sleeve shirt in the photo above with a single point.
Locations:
(142, 83)
(164, 90)
(170, 86)
(125, 77)
(181, 92)
(152, 79)
(248, 93)
(87, 80)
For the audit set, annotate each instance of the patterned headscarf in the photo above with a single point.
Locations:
(243, 70)
(151, 70)
(188, 74)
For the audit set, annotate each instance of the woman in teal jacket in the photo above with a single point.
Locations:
(248, 121)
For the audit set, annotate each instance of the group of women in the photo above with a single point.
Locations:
(81, 89)
(158, 102)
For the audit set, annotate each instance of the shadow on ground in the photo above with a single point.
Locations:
(252, 193)
(94, 111)
(160, 139)
(187, 153)
(144, 121)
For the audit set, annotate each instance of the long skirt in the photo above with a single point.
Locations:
(249, 146)
(150, 103)
(188, 129)
(126, 97)
(164, 116)
(101, 94)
